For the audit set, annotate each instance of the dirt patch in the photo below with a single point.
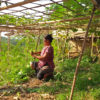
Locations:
(19, 92)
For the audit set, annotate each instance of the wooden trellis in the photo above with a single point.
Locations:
(81, 54)
(32, 27)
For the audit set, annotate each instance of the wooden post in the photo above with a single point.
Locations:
(81, 54)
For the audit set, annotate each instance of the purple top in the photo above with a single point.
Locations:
(49, 59)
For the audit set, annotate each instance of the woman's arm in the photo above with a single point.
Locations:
(40, 57)
(37, 53)
(32, 53)
(45, 55)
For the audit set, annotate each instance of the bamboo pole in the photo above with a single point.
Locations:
(18, 4)
(35, 28)
(81, 54)
(39, 5)
(31, 28)
(66, 20)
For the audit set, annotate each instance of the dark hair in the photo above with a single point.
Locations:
(49, 37)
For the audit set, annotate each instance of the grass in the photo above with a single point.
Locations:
(15, 68)
(87, 84)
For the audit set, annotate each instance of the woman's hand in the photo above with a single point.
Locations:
(39, 57)
(34, 55)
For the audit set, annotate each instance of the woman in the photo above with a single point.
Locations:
(45, 66)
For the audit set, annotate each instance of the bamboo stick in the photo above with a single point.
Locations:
(62, 27)
(38, 5)
(67, 20)
(18, 4)
(32, 28)
(81, 54)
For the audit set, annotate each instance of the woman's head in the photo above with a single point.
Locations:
(48, 39)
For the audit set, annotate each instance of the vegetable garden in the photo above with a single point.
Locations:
(23, 26)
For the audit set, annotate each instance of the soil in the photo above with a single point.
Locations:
(19, 91)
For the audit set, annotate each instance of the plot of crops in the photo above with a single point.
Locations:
(49, 50)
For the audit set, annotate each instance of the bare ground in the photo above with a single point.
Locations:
(19, 92)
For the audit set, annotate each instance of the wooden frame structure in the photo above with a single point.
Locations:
(11, 9)
(20, 29)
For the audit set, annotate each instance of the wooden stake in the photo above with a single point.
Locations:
(81, 54)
